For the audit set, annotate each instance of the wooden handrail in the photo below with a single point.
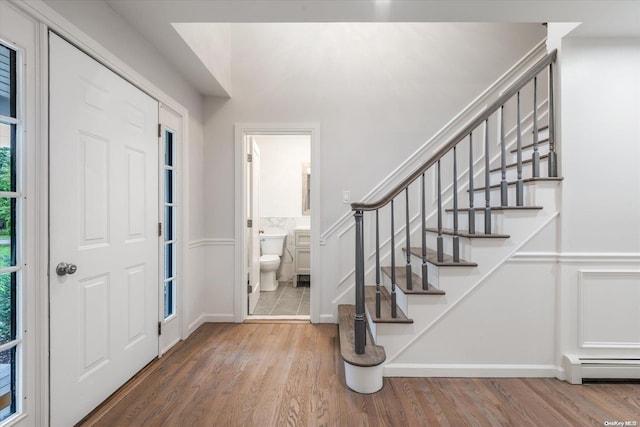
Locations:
(464, 132)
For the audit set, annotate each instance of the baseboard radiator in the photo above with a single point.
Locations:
(584, 368)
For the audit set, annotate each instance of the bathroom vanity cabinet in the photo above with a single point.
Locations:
(302, 257)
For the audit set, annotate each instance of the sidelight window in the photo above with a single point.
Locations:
(169, 224)
(10, 222)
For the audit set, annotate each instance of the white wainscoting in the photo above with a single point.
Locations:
(609, 308)
(211, 291)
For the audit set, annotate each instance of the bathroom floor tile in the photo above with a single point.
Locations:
(285, 300)
(286, 307)
(262, 311)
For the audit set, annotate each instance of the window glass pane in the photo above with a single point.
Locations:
(168, 260)
(7, 232)
(168, 149)
(169, 291)
(168, 223)
(7, 157)
(7, 82)
(7, 307)
(7, 383)
(168, 186)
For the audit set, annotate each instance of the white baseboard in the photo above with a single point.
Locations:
(194, 325)
(219, 318)
(328, 318)
(209, 318)
(471, 371)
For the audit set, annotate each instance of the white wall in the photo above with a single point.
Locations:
(378, 91)
(107, 28)
(281, 160)
(600, 233)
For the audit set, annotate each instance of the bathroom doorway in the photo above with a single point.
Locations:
(277, 241)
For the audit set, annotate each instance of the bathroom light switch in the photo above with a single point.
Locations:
(346, 196)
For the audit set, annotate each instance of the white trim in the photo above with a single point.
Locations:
(582, 312)
(240, 149)
(471, 370)
(279, 317)
(41, 198)
(209, 318)
(211, 242)
(328, 318)
(454, 125)
(577, 257)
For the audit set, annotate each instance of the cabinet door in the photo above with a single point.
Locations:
(303, 260)
(303, 238)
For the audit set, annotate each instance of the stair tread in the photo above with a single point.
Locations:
(501, 208)
(524, 147)
(373, 355)
(514, 164)
(385, 306)
(524, 180)
(464, 233)
(401, 282)
(432, 257)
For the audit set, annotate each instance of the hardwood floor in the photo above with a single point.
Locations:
(292, 375)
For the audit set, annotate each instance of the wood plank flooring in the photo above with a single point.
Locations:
(292, 375)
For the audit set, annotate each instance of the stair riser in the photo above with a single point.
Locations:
(463, 220)
(494, 197)
(401, 298)
(447, 241)
(527, 171)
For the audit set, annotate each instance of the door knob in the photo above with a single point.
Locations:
(63, 268)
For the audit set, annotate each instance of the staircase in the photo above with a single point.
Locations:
(504, 195)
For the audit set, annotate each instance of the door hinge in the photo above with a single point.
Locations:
(159, 229)
(249, 158)
(159, 328)
(159, 130)
(249, 223)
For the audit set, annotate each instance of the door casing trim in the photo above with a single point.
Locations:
(240, 148)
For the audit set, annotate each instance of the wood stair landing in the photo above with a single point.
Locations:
(464, 233)
(432, 258)
(373, 355)
(416, 281)
(385, 306)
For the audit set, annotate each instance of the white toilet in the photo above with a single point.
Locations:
(271, 247)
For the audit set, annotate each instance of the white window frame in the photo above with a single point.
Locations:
(18, 195)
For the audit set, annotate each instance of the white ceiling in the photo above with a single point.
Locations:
(154, 19)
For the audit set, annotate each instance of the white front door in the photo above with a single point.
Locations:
(103, 221)
(253, 179)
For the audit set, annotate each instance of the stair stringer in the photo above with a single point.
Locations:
(460, 283)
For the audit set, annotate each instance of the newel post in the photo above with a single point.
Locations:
(360, 328)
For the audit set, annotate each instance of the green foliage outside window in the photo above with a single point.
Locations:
(6, 291)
